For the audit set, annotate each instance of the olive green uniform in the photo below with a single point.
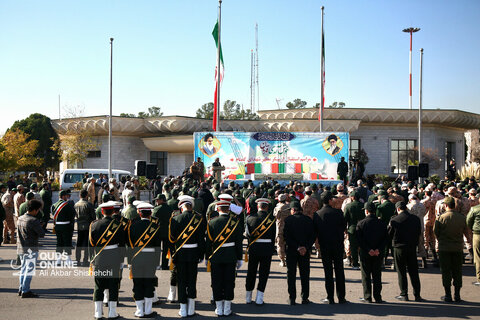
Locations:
(64, 224)
(354, 213)
(163, 213)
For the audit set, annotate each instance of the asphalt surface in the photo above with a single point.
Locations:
(67, 294)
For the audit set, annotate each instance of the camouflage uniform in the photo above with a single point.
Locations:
(463, 206)
(9, 223)
(281, 212)
(419, 210)
(309, 206)
(429, 221)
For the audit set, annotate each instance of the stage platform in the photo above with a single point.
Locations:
(324, 182)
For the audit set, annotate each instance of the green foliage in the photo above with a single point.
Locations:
(205, 111)
(384, 179)
(434, 178)
(296, 104)
(337, 105)
(231, 111)
(362, 156)
(39, 127)
(55, 186)
(153, 112)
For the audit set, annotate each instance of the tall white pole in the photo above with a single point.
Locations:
(110, 117)
(410, 68)
(420, 110)
(256, 70)
(322, 72)
(59, 109)
(218, 63)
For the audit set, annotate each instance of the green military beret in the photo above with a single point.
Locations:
(132, 198)
(382, 192)
(33, 186)
(449, 201)
(30, 195)
(295, 204)
(353, 194)
(62, 193)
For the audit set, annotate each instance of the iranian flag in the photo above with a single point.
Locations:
(216, 110)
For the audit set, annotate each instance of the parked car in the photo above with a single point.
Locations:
(71, 176)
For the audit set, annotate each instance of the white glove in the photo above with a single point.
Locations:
(239, 264)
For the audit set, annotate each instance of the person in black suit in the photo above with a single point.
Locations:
(372, 237)
(299, 235)
(330, 227)
(404, 230)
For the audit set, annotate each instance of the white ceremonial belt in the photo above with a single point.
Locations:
(264, 240)
(228, 244)
(62, 222)
(112, 246)
(148, 250)
(190, 245)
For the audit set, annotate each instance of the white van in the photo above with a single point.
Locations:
(71, 176)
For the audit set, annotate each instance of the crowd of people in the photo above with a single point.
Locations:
(191, 221)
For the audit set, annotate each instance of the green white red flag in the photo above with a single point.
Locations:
(216, 110)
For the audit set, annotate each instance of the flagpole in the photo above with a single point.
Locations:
(218, 65)
(110, 117)
(322, 71)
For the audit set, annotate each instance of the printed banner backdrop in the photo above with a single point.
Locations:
(315, 155)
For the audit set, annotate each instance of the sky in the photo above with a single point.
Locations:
(164, 54)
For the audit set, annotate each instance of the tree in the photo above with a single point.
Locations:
(39, 127)
(75, 145)
(337, 105)
(17, 151)
(296, 104)
(205, 111)
(153, 112)
(248, 115)
(231, 110)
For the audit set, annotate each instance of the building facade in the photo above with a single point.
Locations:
(389, 137)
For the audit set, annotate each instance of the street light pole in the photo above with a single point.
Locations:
(420, 110)
(110, 117)
(411, 31)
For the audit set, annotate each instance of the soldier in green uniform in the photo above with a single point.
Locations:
(143, 241)
(163, 213)
(107, 251)
(63, 220)
(23, 207)
(3, 188)
(260, 230)
(385, 212)
(187, 238)
(354, 212)
(130, 211)
(46, 195)
(224, 253)
(85, 213)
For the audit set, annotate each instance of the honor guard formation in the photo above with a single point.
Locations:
(195, 225)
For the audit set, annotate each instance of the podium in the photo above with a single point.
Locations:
(217, 172)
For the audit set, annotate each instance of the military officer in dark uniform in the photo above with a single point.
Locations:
(330, 227)
(372, 237)
(260, 230)
(163, 213)
(224, 253)
(107, 251)
(354, 212)
(63, 220)
(385, 212)
(299, 236)
(404, 230)
(143, 241)
(187, 238)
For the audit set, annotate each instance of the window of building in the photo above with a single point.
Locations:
(160, 159)
(449, 153)
(355, 146)
(402, 151)
(94, 154)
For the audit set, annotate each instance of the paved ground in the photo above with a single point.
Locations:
(70, 297)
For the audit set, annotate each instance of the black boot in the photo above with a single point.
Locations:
(448, 295)
(457, 295)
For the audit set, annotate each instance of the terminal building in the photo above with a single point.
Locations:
(389, 137)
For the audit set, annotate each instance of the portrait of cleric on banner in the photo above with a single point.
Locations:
(209, 145)
(333, 144)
